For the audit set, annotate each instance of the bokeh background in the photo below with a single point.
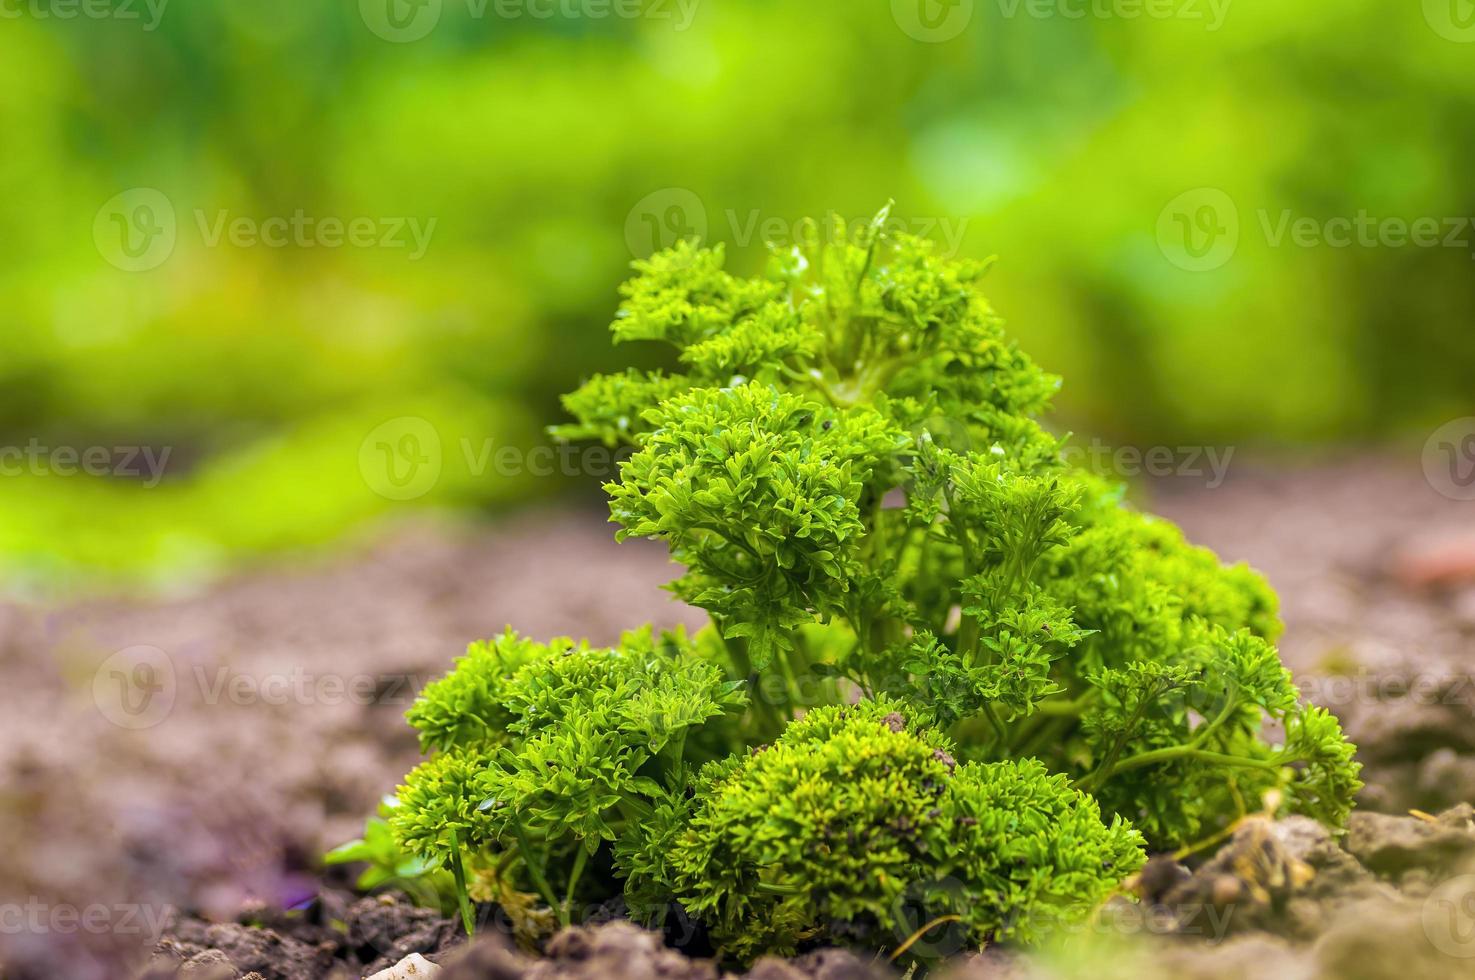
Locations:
(1140, 167)
(289, 290)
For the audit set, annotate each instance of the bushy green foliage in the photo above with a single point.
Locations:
(854, 815)
(889, 478)
(546, 751)
(959, 650)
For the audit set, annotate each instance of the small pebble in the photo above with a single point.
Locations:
(412, 967)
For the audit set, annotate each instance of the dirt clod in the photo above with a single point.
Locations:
(1393, 846)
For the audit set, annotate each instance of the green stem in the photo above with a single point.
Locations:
(998, 726)
(968, 627)
(769, 719)
(1072, 709)
(1171, 753)
(535, 868)
(677, 770)
(580, 860)
(773, 888)
(1108, 762)
(458, 872)
(1203, 733)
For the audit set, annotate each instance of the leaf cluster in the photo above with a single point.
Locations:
(856, 816)
(947, 672)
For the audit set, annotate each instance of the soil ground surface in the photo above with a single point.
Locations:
(262, 720)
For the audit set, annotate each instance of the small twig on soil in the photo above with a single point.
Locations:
(922, 932)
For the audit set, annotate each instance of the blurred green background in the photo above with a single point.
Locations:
(1137, 165)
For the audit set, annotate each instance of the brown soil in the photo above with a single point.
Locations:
(285, 729)
(263, 761)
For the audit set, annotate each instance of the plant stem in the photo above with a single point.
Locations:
(678, 761)
(458, 872)
(535, 868)
(998, 726)
(768, 717)
(580, 860)
(773, 888)
(1073, 708)
(1170, 753)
